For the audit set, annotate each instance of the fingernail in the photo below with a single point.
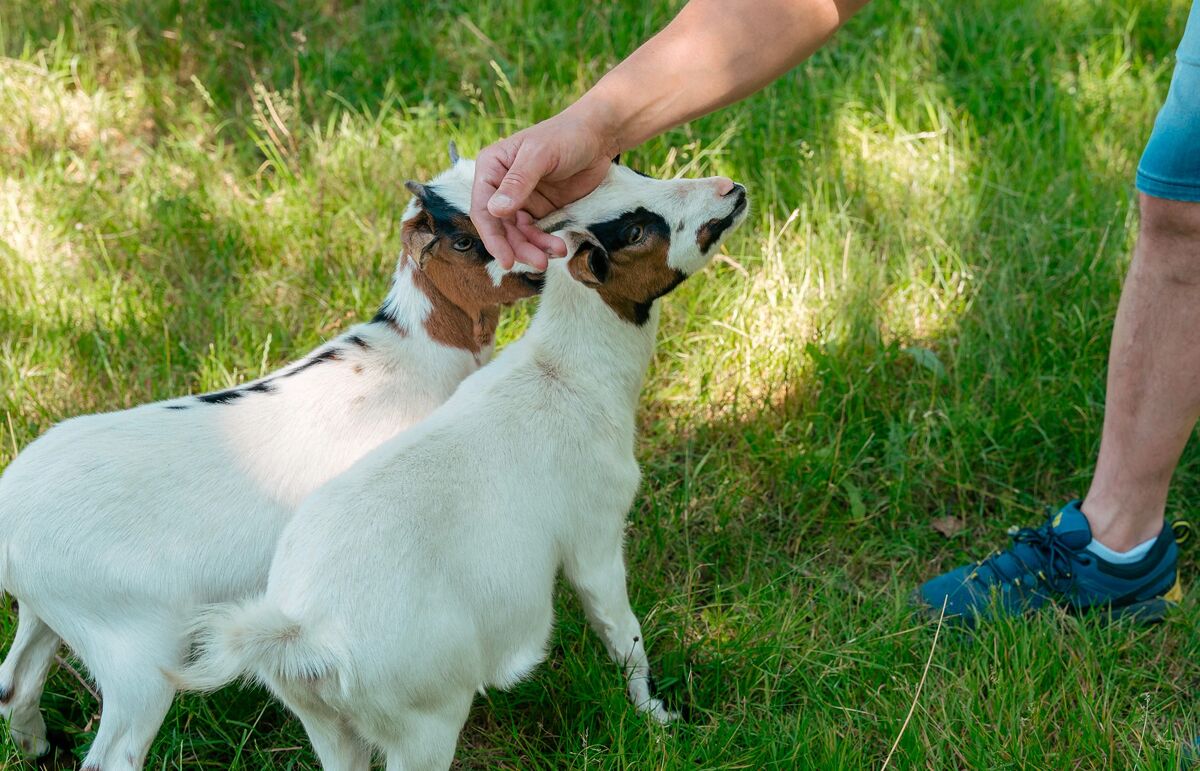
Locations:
(500, 201)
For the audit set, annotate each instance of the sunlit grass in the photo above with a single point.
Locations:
(913, 323)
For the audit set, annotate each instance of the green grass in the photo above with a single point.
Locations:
(913, 324)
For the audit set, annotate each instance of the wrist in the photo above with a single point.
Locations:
(603, 119)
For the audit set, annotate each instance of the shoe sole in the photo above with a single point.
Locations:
(1150, 611)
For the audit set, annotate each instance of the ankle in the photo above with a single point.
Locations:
(1122, 527)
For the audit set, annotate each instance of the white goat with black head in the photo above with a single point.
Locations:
(426, 572)
(114, 528)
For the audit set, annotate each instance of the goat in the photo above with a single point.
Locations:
(426, 572)
(115, 527)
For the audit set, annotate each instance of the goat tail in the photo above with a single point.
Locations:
(252, 640)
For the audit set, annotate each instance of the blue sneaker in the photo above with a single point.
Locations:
(1051, 566)
(1191, 755)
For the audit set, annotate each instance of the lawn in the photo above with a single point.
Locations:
(911, 328)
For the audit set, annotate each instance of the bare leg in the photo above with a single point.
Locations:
(1153, 378)
(22, 679)
(598, 574)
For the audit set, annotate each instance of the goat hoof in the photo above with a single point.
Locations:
(31, 746)
(659, 712)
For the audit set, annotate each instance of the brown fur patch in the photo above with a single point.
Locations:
(637, 276)
(466, 302)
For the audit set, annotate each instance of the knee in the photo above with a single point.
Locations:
(1173, 220)
(1169, 240)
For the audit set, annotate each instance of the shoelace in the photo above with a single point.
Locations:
(1056, 557)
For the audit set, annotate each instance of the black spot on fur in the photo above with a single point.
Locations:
(358, 341)
(177, 406)
(558, 225)
(642, 310)
(710, 232)
(448, 221)
(233, 394)
(612, 234)
(6, 693)
(679, 227)
(383, 317)
(221, 397)
(329, 354)
(442, 211)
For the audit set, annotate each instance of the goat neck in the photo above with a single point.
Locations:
(585, 339)
(418, 305)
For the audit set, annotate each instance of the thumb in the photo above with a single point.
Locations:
(519, 181)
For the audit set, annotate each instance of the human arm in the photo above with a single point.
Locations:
(713, 53)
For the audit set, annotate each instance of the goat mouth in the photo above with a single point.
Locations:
(740, 204)
(535, 281)
(712, 231)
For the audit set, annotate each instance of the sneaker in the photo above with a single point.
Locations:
(1191, 755)
(1052, 566)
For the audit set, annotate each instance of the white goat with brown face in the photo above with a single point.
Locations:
(114, 528)
(426, 571)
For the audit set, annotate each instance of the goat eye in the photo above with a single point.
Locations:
(634, 235)
(462, 243)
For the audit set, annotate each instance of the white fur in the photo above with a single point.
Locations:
(426, 571)
(116, 528)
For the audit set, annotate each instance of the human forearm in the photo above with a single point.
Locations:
(713, 53)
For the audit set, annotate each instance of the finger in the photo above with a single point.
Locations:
(491, 229)
(538, 237)
(528, 167)
(525, 251)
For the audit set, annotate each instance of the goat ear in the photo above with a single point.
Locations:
(418, 235)
(417, 189)
(587, 261)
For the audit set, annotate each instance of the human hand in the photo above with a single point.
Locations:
(534, 172)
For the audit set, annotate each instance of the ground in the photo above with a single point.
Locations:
(899, 356)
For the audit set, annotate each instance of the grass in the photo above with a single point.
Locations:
(913, 325)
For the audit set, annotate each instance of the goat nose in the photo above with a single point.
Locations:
(725, 185)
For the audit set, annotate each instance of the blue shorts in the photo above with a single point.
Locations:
(1170, 165)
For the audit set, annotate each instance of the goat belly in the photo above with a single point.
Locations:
(519, 660)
